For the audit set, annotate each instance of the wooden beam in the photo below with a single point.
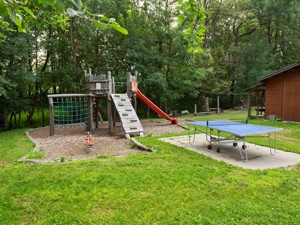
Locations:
(51, 115)
(69, 95)
(90, 127)
(97, 111)
(110, 116)
(129, 85)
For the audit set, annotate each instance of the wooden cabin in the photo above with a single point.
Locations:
(282, 93)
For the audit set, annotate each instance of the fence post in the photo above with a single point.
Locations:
(206, 104)
(51, 115)
(218, 104)
(90, 114)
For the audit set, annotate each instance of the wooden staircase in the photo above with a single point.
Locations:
(129, 119)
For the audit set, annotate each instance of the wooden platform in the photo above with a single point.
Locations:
(129, 119)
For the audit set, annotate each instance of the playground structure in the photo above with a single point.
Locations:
(63, 114)
(67, 110)
(137, 92)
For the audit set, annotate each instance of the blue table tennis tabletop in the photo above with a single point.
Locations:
(236, 128)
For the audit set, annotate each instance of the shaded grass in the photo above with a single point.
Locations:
(14, 144)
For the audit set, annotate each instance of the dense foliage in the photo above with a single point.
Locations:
(183, 50)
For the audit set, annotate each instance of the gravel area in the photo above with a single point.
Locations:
(70, 144)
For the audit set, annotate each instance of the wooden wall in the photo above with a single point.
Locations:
(273, 96)
(283, 95)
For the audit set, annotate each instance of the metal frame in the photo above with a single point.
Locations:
(234, 138)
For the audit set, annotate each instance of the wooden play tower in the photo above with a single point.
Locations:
(98, 88)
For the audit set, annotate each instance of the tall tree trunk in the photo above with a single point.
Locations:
(169, 58)
(97, 52)
(19, 119)
(269, 33)
(3, 118)
(41, 106)
(232, 87)
(37, 98)
(34, 104)
(160, 50)
(71, 33)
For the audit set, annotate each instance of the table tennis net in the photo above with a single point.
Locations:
(225, 123)
(219, 123)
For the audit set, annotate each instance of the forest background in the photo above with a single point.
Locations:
(183, 50)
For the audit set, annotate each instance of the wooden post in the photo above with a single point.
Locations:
(129, 85)
(218, 104)
(90, 127)
(134, 103)
(195, 112)
(114, 115)
(249, 104)
(206, 104)
(134, 95)
(109, 115)
(97, 111)
(101, 119)
(113, 89)
(51, 115)
(110, 86)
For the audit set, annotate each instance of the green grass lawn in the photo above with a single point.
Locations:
(13, 145)
(169, 186)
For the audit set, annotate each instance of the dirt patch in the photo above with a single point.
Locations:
(69, 143)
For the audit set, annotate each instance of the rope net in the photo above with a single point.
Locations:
(70, 111)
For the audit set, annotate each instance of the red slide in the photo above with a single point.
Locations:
(154, 107)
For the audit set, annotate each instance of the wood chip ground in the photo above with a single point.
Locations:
(69, 143)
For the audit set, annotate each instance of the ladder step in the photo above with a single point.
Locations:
(128, 117)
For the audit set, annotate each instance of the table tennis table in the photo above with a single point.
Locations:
(236, 132)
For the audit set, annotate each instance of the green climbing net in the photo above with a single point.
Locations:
(70, 111)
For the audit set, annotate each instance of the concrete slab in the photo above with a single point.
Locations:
(259, 157)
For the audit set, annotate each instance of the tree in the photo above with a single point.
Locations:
(41, 19)
(23, 13)
(279, 22)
